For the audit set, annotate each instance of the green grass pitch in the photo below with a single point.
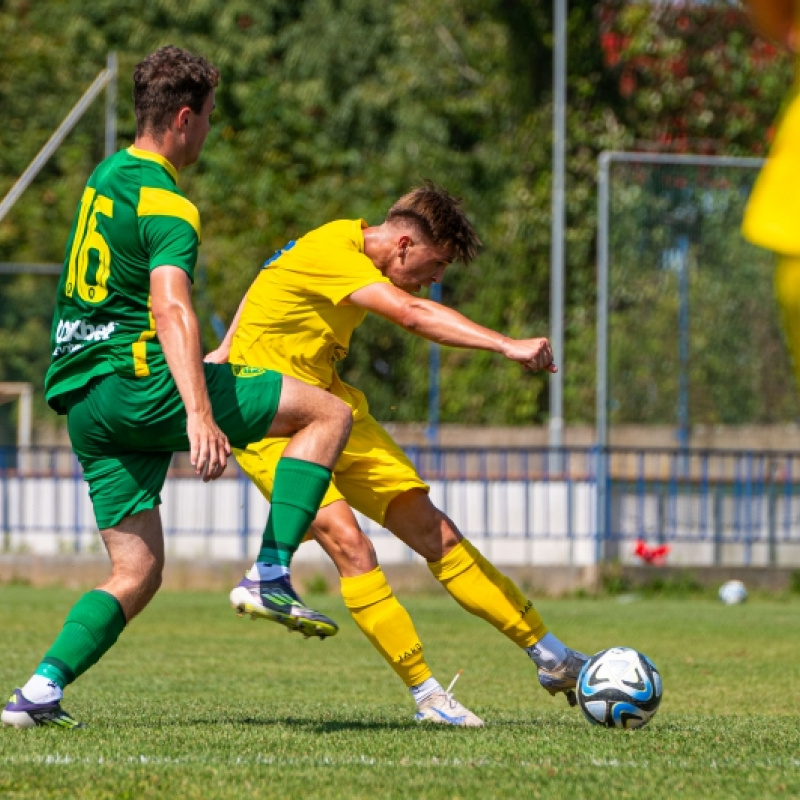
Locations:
(195, 703)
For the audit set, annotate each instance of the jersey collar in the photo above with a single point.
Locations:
(149, 155)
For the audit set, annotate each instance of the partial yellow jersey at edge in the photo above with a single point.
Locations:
(772, 217)
(294, 320)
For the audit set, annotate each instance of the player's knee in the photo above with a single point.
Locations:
(348, 547)
(134, 588)
(150, 578)
(146, 576)
(341, 416)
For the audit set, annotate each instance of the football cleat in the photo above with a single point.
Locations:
(441, 707)
(277, 601)
(564, 677)
(22, 713)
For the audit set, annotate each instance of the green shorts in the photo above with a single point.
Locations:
(125, 430)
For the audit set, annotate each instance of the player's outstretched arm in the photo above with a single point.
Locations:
(446, 326)
(179, 334)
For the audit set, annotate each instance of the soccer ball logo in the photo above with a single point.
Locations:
(619, 688)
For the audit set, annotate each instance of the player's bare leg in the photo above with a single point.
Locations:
(318, 423)
(136, 549)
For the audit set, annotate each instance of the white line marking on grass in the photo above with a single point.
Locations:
(57, 760)
(714, 763)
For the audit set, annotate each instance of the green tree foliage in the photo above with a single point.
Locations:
(675, 242)
(331, 109)
(695, 77)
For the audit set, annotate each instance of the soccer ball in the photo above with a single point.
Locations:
(619, 688)
(732, 592)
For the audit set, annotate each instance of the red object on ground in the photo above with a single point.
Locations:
(651, 555)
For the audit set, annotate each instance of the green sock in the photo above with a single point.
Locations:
(298, 490)
(93, 624)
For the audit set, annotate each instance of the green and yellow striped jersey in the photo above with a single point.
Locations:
(132, 218)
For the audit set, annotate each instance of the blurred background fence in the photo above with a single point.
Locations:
(688, 335)
(521, 506)
(688, 327)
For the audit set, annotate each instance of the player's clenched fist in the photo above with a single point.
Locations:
(533, 354)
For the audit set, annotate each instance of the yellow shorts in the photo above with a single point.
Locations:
(371, 471)
(772, 217)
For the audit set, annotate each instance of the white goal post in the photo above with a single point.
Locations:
(105, 80)
(606, 161)
(11, 391)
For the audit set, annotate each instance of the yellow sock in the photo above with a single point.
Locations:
(482, 590)
(386, 624)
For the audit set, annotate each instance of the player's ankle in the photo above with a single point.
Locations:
(263, 571)
(425, 689)
(548, 652)
(40, 689)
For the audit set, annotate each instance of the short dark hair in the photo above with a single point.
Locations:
(165, 82)
(439, 217)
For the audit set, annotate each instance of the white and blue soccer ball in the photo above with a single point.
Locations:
(619, 688)
(732, 592)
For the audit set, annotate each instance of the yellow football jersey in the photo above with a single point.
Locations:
(773, 211)
(294, 320)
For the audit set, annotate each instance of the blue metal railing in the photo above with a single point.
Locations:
(708, 506)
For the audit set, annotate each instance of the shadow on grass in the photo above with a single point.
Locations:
(329, 726)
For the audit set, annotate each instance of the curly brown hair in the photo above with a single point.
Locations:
(439, 218)
(166, 81)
